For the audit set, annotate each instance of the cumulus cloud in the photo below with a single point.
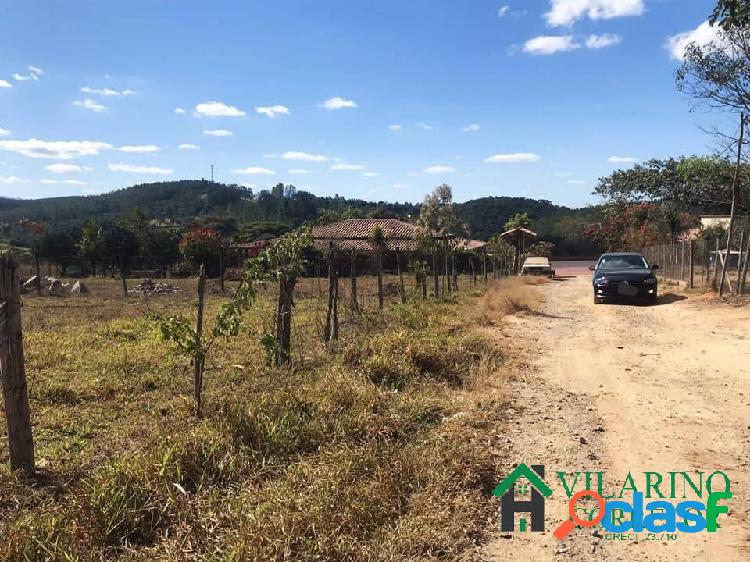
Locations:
(180, 111)
(55, 150)
(338, 103)
(218, 133)
(188, 146)
(503, 11)
(370, 174)
(12, 180)
(133, 169)
(512, 158)
(550, 44)
(91, 105)
(107, 92)
(35, 70)
(4, 132)
(567, 12)
(602, 41)
(622, 160)
(474, 127)
(47, 181)
(395, 127)
(425, 126)
(304, 157)
(439, 169)
(66, 168)
(575, 182)
(254, 171)
(217, 109)
(139, 148)
(5, 84)
(702, 35)
(348, 167)
(273, 110)
(299, 172)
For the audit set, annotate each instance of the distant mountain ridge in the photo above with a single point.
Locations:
(185, 199)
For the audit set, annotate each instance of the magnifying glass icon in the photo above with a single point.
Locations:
(562, 531)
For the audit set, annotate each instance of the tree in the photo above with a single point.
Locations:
(57, 246)
(92, 243)
(201, 246)
(731, 13)
(519, 220)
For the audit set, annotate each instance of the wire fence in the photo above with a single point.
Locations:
(699, 263)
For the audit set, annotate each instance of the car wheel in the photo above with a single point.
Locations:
(652, 299)
(597, 300)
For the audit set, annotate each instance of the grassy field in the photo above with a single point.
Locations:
(381, 447)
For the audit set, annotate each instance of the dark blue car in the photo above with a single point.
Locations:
(624, 276)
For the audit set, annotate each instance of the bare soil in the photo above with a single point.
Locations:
(632, 388)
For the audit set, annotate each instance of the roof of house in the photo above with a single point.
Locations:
(356, 234)
(519, 231)
(471, 244)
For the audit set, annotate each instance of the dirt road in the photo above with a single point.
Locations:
(621, 388)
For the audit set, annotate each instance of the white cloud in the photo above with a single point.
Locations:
(217, 109)
(575, 182)
(439, 169)
(13, 179)
(550, 44)
(35, 70)
(139, 149)
(188, 146)
(567, 12)
(218, 133)
(602, 41)
(4, 132)
(370, 174)
(254, 171)
(179, 111)
(299, 172)
(622, 160)
(66, 168)
(338, 103)
(471, 128)
(503, 10)
(425, 126)
(24, 77)
(107, 92)
(91, 105)
(56, 150)
(395, 127)
(133, 169)
(5, 84)
(304, 157)
(513, 158)
(48, 181)
(701, 36)
(348, 167)
(273, 110)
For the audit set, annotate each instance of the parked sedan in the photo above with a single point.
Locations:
(624, 276)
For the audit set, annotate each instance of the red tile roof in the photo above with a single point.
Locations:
(356, 234)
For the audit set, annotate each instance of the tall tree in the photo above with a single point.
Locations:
(731, 13)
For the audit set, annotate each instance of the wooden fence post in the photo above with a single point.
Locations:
(435, 273)
(38, 276)
(743, 273)
(12, 371)
(716, 264)
(691, 257)
(122, 277)
(221, 268)
(401, 288)
(354, 304)
(379, 258)
(199, 361)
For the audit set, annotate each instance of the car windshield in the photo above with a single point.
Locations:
(623, 262)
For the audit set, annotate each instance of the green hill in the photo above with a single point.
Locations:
(183, 201)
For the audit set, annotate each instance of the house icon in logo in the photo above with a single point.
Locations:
(509, 506)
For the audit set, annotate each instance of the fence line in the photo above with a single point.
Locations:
(698, 263)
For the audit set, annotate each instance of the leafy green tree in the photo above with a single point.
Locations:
(121, 245)
(519, 220)
(731, 13)
(93, 243)
(261, 230)
(57, 246)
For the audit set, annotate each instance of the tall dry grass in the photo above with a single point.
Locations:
(506, 296)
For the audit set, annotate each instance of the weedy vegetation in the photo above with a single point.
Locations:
(379, 446)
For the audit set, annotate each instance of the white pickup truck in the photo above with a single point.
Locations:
(537, 266)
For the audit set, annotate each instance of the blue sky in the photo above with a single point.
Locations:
(376, 99)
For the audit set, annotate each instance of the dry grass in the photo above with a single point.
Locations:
(379, 448)
(507, 296)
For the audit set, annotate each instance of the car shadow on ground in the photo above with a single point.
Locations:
(662, 300)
